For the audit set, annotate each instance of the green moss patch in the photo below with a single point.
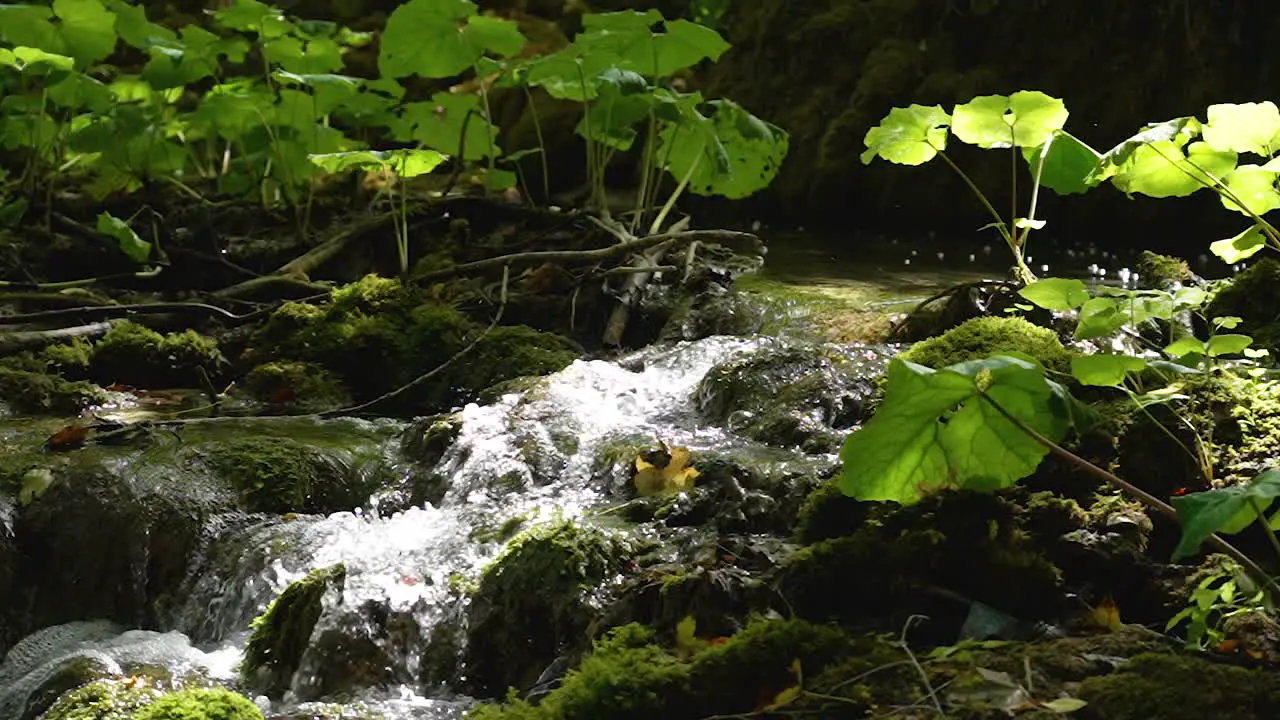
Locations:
(131, 354)
(280, 475)
(986, 336)
(281, 633)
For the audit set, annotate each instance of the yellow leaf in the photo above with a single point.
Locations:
(687, 642)
(786, 697)
(1105, 616)
(1064, 705)
(674, 476)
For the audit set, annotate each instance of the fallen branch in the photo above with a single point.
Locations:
(118, 311)
(16, 342)
(587, 257)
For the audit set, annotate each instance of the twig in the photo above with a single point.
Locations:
(585, 257)
(924, 676)
(114, 311)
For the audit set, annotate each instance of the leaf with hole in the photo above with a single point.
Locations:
(908, 136)
(732, 153)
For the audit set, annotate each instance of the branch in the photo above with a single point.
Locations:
(586, 257)
(116, 311)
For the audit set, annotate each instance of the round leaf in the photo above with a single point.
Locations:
(1244, 127)
(1058, 294)
(1105, 370)
(1245, 245)
(88, 29)
(1253, 186)
(908, 136)
(1023, 119)
(1162, 169)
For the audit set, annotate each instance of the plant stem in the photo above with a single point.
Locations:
(542, 145)
(1138, 493)
(675, 194)
(1026, 276)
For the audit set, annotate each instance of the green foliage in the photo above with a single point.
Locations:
(1225, 510)
(101, 700)
(200, 704)
(944, 429)
(136, 355)
(1216, 599)
(276, 110)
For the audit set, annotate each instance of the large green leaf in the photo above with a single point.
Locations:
(30, 25)
(623, 99)
(1162, 169)
(1242, 246)
(935, 430)
(1253, 186)
(732, 153)
(438, 124)
(1068, 165)
(442, 38)
(1178, 130)
(1244, 128)
(647, 43)
(1058, 294)
(1024, 119)
(908, 136)
(1105, 370)
(88, 29)
(133, 26)
(1226, 510)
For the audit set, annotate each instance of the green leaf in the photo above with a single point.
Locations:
(1162, 169)
(936, 431)
(1245, 245)
(1178, 130)
(438, 125)
(1244, 128)
(1068, 166)
(38, 62)
(253, 16)
(1098, 317)
(442, 38)
(1226, 510)
(1105, 370)
(645, 42)
(908, 136)
(405, 163)
(128, 241)
(88, 29)
(1255, 187)
(30, 25)
(134, 28)
(623, 99)
(1189, 297)
(733, 153)
(567, 73)
(1024, 119)
(1185, 346)
(1064, 705)
(1227, 344)
(1058, 294)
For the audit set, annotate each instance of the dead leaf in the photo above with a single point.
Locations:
(658, 478)
(1104, 616)
(68, 438)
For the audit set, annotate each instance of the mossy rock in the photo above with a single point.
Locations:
(376, 335)
(974, 544)
(281, 474)
(983, 337)
(102, 700)
(1172, 687)
(28, 392)
(532, 604)
(296, 386)
(791, 396)
(1162, 272)
(132, 354)
(281, 633)
(1251, 296)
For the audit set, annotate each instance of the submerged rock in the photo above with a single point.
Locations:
(282, 634)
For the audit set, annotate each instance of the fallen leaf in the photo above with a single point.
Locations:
(1064, 705)
(687, 641)
(68, 438)
(1228, 646)
(673, 475)
(1105, 616)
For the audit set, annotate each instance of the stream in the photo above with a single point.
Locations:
(405, 561)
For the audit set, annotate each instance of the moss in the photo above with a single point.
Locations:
(131, 354)
(200, 704)
(1173, 687)
(305, 387)
(975, 544)
(376, 335)
(1161, 272)
(281, 633)
(29, 392)
(280, 475)
(986, 336)
(829, 513)
(1251, 297)
(102, 700)
(532, 602)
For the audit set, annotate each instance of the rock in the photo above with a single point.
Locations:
(282, 634)
(131, 354)
(794, 395)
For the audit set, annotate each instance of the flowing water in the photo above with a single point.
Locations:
(546, 442)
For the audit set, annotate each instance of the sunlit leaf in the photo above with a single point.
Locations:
(405, 163)
(1163, 169)
(128, 241)
(936, 431)
(1242, 246)
(1057, 294)
(1244, 128)
(1178, 131)
(908, 136)
(1227, 344)
(732, 153)
(1105, 370)
(1254, 187)
(1024, 119)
